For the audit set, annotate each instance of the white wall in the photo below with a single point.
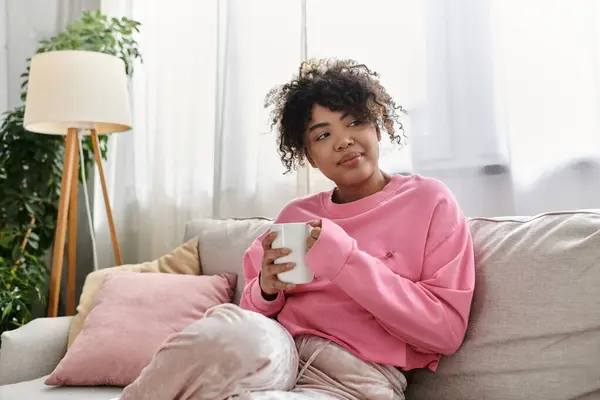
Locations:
(28, 21)
(3, 58)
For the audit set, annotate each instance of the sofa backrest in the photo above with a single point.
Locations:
(223, 243)
(534, 330)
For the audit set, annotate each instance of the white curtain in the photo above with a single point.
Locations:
(502, 99)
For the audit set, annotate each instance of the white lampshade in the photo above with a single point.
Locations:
(70, 89)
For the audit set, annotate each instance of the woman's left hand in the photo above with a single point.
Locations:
(314, 233)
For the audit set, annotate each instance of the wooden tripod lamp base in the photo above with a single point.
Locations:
(67, 212)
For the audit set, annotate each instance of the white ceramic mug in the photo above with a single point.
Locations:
(293, 236)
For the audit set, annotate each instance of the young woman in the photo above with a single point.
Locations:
(392, 258)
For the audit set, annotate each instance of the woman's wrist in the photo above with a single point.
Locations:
(268, 297)
(265, 295)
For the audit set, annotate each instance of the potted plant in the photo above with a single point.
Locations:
(31, 169)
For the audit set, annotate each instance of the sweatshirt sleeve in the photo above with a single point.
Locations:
(252, 298)
(431, 314)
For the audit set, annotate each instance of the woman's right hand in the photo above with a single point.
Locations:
(269, 283)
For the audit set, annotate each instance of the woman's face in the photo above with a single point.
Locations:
(343, 148)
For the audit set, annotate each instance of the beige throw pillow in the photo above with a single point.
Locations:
(183, 260)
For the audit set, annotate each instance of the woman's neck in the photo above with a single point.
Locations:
(375, 183)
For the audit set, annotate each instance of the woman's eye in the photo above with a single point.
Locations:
(355, 123)
(322, 136)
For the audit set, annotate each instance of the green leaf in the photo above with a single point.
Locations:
(29, 209)
(5, 240)
(7, 310)
(16, 253)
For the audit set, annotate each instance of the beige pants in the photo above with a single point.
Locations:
(232, 353)
(328, 369)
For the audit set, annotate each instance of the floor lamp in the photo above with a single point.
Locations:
(72, 93)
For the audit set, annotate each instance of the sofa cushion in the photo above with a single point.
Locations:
(36, 389)
(222, 244)
(183, 260)
(132, 315)
(534, 329)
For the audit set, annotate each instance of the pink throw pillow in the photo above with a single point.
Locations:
(133, 314)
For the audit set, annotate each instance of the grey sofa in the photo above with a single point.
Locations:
(534, 329)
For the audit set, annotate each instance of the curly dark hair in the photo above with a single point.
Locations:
(339, 85)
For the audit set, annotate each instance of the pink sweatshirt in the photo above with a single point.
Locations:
(394, 274)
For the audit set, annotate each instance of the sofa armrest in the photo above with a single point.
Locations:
(33, 350)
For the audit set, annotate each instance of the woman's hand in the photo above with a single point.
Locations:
(269, 283)
(314, 233)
